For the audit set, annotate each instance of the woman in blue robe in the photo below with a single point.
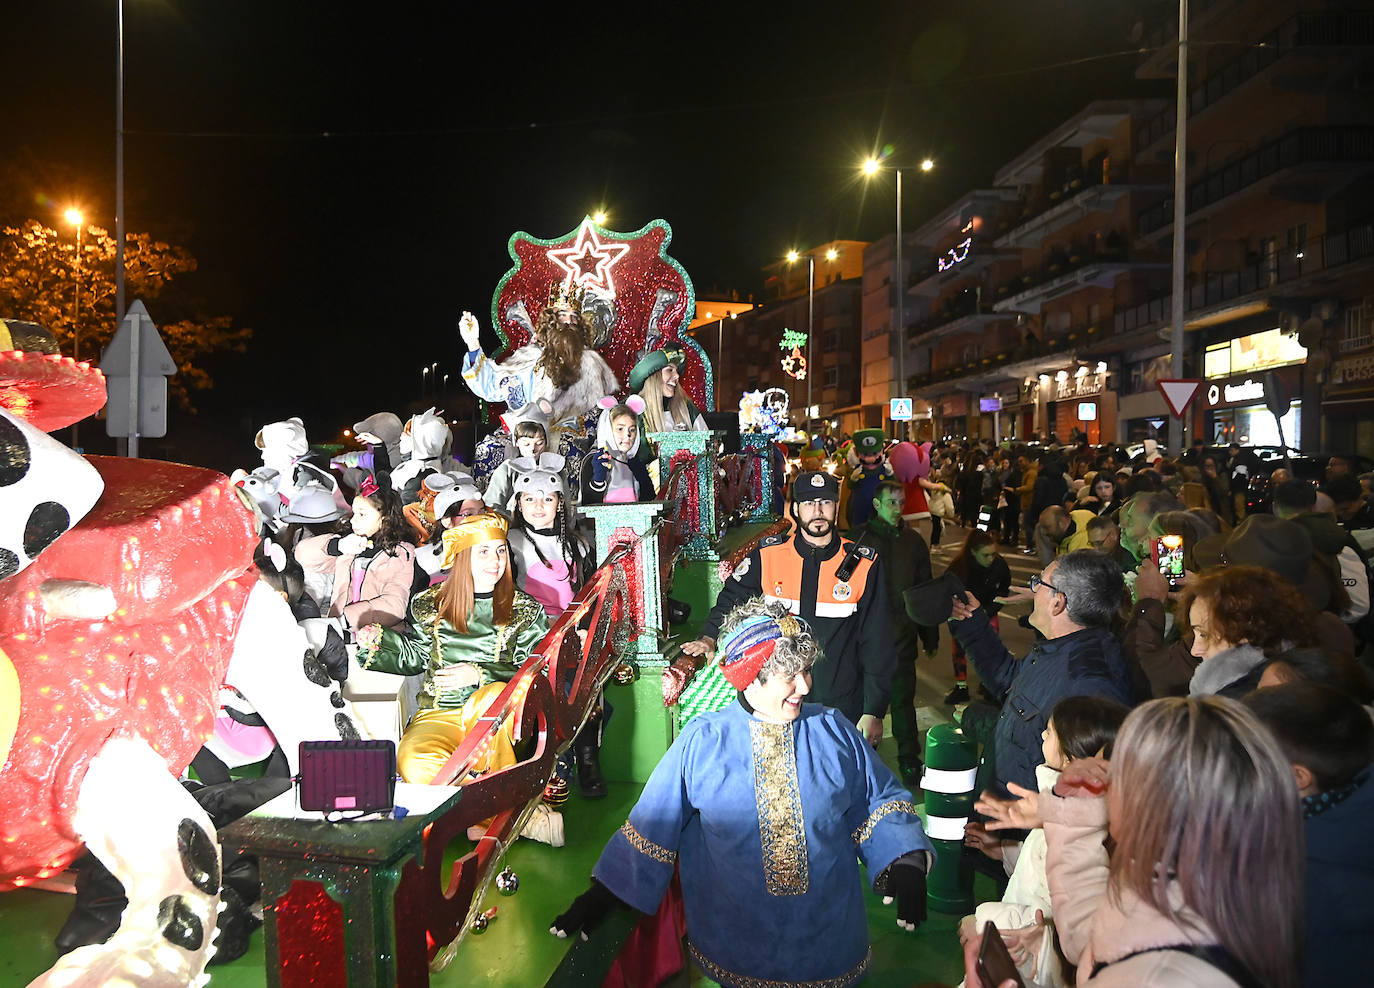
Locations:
(769, 806)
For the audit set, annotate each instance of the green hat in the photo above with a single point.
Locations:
(653, 362)
(869, 442)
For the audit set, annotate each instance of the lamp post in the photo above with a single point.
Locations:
(792, 258)
(720, 353)
(871, 167)
(119, 164)
(74, 217)
(1180, 219)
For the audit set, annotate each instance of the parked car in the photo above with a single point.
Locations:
(1308, 467)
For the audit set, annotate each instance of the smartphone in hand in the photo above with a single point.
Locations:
(1168, 556)
(995, 965)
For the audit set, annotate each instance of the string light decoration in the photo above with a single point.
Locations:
(589, 260)
(794, 364)
(955, 254)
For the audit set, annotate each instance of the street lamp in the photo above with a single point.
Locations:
(424, 380)
(1180, 218)
(792, 258)
(871, 167)
(599, 217)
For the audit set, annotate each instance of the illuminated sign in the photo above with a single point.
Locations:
(1251, 390)
(955, 255)
(794, 364)
(1087, 411)
(588, 261)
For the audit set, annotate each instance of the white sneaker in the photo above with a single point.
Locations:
(544, 825)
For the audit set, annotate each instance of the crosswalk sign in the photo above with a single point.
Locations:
(900, 410)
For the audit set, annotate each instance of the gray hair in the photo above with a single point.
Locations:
(792, 654)
(1092, 586)
(1201, 795)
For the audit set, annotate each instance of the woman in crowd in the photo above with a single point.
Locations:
(1239, 618)
(373, 563)
(531, 439)
(1202, 805)
(551, 559)
(986, 575)
(469, 637)
(1104, 498)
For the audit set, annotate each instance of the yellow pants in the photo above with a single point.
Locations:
(435, 734)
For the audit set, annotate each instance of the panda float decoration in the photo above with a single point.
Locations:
(127, 596)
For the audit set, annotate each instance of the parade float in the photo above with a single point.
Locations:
(124, 683)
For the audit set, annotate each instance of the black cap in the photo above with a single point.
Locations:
(815, 485)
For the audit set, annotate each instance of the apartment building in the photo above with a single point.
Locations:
(1280, 246)
(801, 339)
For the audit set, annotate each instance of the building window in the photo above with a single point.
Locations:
(832, 378)
(832, 341)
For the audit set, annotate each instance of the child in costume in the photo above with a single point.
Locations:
(551, 559)
(551, 562)
(455, 497)
(613, 473)
(469, 638)
(426, 444)
(530, 434)
(373, 564)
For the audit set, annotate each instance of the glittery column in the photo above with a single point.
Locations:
(762, 447)
(623, 524)
(696, 505)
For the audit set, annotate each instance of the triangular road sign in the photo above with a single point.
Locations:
(1179, 393)
(153, 358)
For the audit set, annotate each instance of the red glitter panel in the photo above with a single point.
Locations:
(633, 567)
(310, 937)
(175, 548)
(652, 297)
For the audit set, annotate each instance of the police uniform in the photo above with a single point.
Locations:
(849, 617)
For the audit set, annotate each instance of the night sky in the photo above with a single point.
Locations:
(450, 126)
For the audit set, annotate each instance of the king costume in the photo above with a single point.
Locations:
(769, 855)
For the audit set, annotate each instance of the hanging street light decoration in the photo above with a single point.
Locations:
(794, 364)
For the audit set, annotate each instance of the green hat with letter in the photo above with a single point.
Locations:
(653, 362)
(869, 442)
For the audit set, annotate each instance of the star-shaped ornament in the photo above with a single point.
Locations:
(589, 261)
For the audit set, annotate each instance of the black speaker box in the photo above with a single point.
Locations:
(356, 776)
(728, 423)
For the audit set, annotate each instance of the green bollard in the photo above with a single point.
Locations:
(948, 781)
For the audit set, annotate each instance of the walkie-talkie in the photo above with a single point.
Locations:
(851, 560)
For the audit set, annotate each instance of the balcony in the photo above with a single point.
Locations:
(1353, 343)
(1304, 147)
(1220, 287)
(963, 312)
(1068, 271)
(1011, 362)
(1084, 192)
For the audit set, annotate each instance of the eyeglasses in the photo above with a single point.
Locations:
(1036, 583)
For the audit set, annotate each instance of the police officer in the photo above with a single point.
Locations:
(838, 588)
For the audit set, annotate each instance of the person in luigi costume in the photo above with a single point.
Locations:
(657, 378)
(861, 486)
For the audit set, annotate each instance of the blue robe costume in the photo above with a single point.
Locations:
(769, 822)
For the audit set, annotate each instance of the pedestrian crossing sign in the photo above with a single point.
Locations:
(900, 410)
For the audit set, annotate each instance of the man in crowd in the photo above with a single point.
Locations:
(1066, 530)
(906, 563)
(838, 588)
(1105, 536)
(1074, 601)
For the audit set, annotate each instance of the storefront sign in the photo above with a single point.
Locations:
(1080, 386)
(1254, 389)
(1250, 390)
(1353, 370)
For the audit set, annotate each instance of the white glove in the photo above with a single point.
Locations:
(352, 544)
(470, 331)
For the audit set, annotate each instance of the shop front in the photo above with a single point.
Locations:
(1242, 377)
(952, 418)
(1080, 405)
(1348, 404)
(1235, 409)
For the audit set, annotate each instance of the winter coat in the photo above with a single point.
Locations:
(906, 563)
(385, 594)
(1088, 662)
(1028, 891)
(1340, 875)
(1232, 672)
(987, 583)
(1095, 927)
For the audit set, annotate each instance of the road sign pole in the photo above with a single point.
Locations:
(136, 338)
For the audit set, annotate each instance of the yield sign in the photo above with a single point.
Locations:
(1179, 393)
